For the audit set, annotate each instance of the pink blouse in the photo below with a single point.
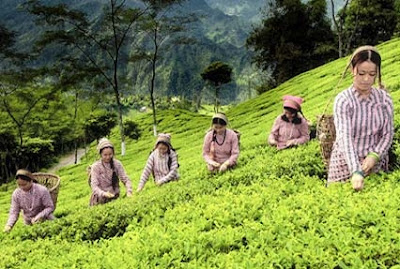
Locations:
(101, 178)
(363, 125)
(225, 148)
(34, 203)
(283, 131)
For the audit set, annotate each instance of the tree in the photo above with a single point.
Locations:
(99, 43)
(372, 21)
(217, 73)
(293, 37)
(162, 29)
(344, 35)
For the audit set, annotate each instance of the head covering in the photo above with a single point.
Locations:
(292, 102)
(104, 143)
(221, 116)
(24, 174)
(163, 138)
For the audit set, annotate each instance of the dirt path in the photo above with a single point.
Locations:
(67, 160)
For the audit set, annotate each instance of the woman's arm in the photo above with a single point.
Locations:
(146, 171)
(344, 129)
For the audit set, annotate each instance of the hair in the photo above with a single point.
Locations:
(106, 148)
(23, 177)
(166, 144)
(372, 56)
(362, 54)
(296, 118)
(218, 121)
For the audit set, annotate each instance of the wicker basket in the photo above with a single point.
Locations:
(326, 134)
(51, 182)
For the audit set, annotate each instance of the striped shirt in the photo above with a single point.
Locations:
(228, 150)
(283, 131)
(157, 165)
(362, 125)
(101, 178)
(34, 203)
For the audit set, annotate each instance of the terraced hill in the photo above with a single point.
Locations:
(273, 210)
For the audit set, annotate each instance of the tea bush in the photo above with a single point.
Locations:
(272, 211)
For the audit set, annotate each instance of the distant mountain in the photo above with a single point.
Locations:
(247, 10)
(219, 34)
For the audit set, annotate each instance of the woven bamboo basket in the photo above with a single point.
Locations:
(51, 182)
(326, 134)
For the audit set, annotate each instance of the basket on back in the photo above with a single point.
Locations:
(51, 182)
(326, 134)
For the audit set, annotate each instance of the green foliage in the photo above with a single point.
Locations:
(99, 125)
(217, 73)
(36, 153)
(131, 129)
(272, 211)
(293, 37)
(371, 21)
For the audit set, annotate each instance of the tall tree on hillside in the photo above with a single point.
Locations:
(373, 21)
(162, 30)
(217, 73)
(101, 43)
(344, 35)
(293, 37)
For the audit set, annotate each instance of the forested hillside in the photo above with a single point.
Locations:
(216, 36)
(272, 210)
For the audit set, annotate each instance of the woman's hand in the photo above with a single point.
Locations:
(357, 181)
(272, 141)
(35, 220)
(290, 143)
(368, 164)
(109, 195)
(224, 166)
(215, 164)
(7, 228)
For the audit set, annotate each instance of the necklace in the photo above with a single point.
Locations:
(216, 140)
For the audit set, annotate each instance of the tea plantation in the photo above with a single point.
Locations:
(272, 211)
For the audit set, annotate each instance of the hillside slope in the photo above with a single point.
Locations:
(273, 210)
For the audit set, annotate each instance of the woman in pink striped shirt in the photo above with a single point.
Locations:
(33, 199)
(289, 129)
(162, 163)
(221, 145)
(105, 175)
(363, 118)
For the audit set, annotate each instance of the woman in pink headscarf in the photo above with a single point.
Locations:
(289, 128)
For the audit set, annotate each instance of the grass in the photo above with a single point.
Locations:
(272, 211)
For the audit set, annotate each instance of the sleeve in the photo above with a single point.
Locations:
(274, 131)
(47, 204)
(174, 167)
(123, 176)
(235, 149)
(304, 133)
(342, 118)
(14, 210)
(388, 128)
(147, 170)
(95, 181)
(207, 147)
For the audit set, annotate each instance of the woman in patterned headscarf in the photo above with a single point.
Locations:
(162, 163)
(221, 145)
(105, 175)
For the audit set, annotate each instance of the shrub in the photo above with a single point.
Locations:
(131, 129)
